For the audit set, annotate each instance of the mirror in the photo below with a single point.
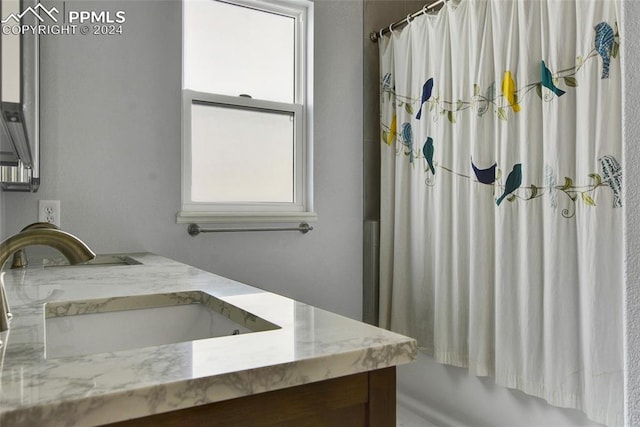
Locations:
(19, 87)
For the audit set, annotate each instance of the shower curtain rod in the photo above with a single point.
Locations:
(374, 36)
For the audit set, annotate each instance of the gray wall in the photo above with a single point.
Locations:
(631, 119)
(111, 155)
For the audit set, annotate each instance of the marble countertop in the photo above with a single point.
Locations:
(310, 345)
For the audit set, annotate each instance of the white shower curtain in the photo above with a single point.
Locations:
(501, 227)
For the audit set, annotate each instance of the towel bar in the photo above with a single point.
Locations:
(195, 229)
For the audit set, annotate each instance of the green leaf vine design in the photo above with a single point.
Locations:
(585, 193)
(482, 100)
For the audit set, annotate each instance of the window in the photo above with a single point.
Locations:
(246, 123)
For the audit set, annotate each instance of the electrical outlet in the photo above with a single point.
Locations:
(49, 211)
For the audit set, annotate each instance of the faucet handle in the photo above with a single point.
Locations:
(19, 259)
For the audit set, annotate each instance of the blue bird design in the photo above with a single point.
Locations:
(386, 82)
(604, 45)
(547, 81)
(427, 150)
(427, 88)
(407, 139)
(485, 176)
(612, 175)
(514, 180)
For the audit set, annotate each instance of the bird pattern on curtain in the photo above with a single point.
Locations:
(501, 233)
(606, 46)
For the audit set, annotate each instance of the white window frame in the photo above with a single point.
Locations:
(301, 210)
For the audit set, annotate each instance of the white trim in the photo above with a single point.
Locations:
(306, 29)
(302, 111)
(242, 207)
(292, 8)
(300, 175)
(241, 102)
(185, 217)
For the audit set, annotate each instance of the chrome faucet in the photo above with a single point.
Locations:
(74, 249)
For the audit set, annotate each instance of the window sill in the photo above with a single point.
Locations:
(185, 217)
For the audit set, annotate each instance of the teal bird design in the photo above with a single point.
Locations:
(485, 176)
(427, 150)
(547, 81)
(427, 88)
(604, 45)
(514, 180)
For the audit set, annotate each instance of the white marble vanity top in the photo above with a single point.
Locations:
(310, 345)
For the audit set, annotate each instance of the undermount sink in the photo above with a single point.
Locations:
(99, 260)
(74, 328)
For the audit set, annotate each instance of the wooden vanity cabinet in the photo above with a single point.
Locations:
(365, 399)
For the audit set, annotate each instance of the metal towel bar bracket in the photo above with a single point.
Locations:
(195, 229)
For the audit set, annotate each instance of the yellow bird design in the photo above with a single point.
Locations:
(509, 90)
(392, 130)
